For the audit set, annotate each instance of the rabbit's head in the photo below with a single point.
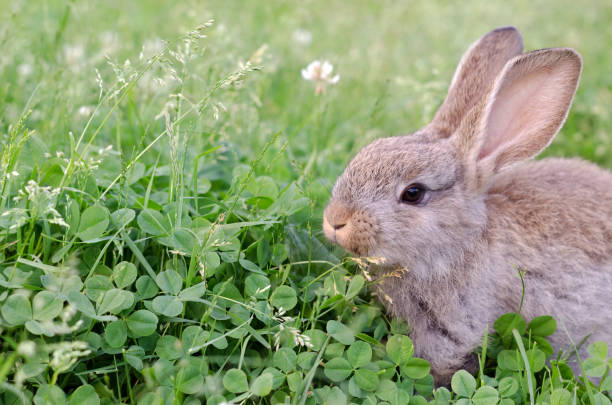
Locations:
(419, 201)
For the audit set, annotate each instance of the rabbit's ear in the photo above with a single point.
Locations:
(523, 111)
(474, 76)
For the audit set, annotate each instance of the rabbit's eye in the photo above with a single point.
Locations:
(413, 194)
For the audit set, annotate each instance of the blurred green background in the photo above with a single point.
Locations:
(395, 60)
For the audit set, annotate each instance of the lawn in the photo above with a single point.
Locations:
(163, 171)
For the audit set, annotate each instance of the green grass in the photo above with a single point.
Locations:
(160, 221)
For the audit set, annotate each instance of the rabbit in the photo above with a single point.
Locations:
(455, 209)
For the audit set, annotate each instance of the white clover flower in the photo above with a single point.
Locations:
(68, 312)
(110, 42)
(303, 340)
(25, 69)
(302, 37)
(27, 348)
(74, 55)
(85, 111)
(67, 353)
(320, 73)
(62, 328)
(41, 203)
(294, 333)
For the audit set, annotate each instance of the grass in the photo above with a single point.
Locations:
(162, 180)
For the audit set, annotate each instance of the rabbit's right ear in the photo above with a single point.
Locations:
(478, 67)
(522, 113)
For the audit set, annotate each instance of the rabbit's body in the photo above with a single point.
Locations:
(455, 211)
(566, 257)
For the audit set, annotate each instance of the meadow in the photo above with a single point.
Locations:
(163, 171)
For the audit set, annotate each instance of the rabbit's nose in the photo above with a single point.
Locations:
(337, 226)
(337, 215)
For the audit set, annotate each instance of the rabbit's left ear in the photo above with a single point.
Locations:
(523, 111)
(474, 76)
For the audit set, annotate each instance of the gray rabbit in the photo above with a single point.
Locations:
(457, 207)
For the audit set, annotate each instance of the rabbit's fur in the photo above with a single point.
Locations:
(451, 261)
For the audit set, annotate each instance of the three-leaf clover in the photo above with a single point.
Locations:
(400, 350)
(358, 358)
